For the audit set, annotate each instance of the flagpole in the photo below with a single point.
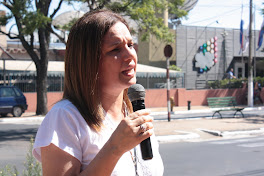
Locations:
(255, 59)
(242, 44)
(250, 71)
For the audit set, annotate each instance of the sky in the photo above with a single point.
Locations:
(210, 13)
(224, 13)
(220, 13)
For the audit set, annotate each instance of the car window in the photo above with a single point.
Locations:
(18, 93)
(7, 92)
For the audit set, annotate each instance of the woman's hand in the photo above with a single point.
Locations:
(132, 130)
(127, 135)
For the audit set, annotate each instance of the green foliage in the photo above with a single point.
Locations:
(259, 80)
(5, 19)
(32, 166)
(226, 83)
(233, 83)
(174, 67)
(28, 19)
(148, 14)
(34, 20)
(9, 171)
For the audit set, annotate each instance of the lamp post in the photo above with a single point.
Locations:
(224, 34)
(250, 63)
(168, 53)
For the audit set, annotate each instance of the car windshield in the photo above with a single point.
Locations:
(18, 93)
(7, 92)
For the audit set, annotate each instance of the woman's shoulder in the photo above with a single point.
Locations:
(66, 111)
(64, 106)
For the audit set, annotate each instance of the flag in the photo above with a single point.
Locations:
(261, 32)
(246, 40)
(241, 36)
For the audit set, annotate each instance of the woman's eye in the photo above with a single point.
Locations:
(115, 50)
(131, 45)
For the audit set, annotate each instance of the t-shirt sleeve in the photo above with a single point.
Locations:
(60, 128)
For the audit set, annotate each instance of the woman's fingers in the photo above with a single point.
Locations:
(133, 129)
(144, 127)
(142, 112)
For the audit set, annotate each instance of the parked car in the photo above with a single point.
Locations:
(12, 100)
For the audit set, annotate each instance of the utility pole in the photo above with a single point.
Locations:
(168, 53)
(250, 63)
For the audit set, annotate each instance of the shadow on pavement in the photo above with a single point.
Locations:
(248, 173)
(18, 135)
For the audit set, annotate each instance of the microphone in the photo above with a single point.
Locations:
(136, 94)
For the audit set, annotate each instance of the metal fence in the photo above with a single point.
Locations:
(55, 82)
(27, 82)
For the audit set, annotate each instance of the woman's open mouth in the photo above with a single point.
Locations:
(129, 72)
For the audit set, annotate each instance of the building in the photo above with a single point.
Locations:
(204, 54)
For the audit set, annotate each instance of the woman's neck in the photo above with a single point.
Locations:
(113, 105)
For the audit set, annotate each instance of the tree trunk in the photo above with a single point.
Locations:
(42, 89)
(42, 70)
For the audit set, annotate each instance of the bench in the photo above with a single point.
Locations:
(224, 104)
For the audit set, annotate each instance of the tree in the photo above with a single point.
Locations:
(147, 14)
(32, 16)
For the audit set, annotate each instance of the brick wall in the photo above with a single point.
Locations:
(158, 97)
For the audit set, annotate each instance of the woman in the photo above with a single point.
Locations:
(93, 130)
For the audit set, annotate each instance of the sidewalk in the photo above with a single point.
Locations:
(206, 128)
(189, 128)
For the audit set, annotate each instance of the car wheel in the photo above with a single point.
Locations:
(17, 111)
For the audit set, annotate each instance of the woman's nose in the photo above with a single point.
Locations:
(129, 53)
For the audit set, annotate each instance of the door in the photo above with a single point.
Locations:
(7, 99)
(239, 70)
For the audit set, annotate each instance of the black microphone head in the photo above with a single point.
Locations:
(136, 92)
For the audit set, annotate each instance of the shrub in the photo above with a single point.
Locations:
(227, 83)
(32, 166)
(174, 67)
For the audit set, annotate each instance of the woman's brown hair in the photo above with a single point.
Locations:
(83, 53)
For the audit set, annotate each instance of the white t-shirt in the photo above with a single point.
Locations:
(65, 127)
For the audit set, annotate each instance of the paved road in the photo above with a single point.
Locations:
(14, 143)
(14, 146)
(205, 114)
(232, 157)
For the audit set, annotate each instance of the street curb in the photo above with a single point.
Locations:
(233, 133)
(202, 111)
(22, 119)
(40, 118)
(172, 138)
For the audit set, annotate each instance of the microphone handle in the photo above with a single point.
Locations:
(146, 149)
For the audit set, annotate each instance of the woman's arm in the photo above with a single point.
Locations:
(57, 162)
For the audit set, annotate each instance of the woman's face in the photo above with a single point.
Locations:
(117, 69)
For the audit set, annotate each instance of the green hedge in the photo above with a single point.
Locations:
(233, 83)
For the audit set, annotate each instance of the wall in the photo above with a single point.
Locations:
(188, 40)
(158, 97)
(151, 52)
(52, 97)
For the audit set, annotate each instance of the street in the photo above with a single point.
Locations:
(199, 114)
(15, 143)
(231, 157)
(215, 157)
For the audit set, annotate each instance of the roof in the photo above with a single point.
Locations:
(58, 66)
